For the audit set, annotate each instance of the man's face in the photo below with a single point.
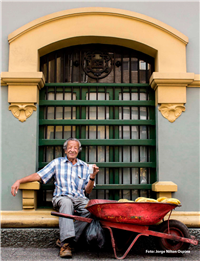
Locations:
(72, 149)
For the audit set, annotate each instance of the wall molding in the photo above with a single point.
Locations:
(97, 11)
(23, 92)
(43, 218)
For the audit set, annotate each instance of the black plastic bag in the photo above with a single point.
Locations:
(95, 234)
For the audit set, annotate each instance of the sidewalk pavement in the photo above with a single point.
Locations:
(52, 254)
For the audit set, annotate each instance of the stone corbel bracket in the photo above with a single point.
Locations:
(22, 111)
(170, 92)
(171, 111)
(23, 92)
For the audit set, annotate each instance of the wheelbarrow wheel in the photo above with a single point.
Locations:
(177, 229)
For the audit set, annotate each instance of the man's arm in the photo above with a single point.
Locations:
(90, 184)
(15, 186)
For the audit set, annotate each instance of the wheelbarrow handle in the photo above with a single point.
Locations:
(83, 219)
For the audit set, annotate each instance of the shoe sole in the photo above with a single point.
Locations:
(66, 255)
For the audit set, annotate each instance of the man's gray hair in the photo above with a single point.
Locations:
(73, 139)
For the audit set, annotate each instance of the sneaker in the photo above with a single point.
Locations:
(65, 250)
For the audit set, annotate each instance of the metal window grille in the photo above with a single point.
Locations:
(100, 95)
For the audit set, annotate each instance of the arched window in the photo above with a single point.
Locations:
(100, 95)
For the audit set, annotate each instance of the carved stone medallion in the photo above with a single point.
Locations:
(97, 65)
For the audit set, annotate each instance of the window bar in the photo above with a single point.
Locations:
(96, 179)
(46, 112)
(63, 69)
(72, 112)
(80, 90)
(72, 72)
(80, 66)
(54, 152)
(88, 132)
(148, 179)
(88, 112)
(96, 131)
(88, 92)
(131, 154)
(72, 89)
(63, 116)
(80, 117)
(45, 129)
(122, 152)
(138, 64)
(45, 154)
(55, 68)
(122, 68)
(62, 132)
(96, 92)
(71, 131)
(47, 92)
(105, 88)
(114, 69)
(139, 161)
(54, 134)
(47, 70)
(97, 112)
(131, 179)
(87, 147)
(104, 153)
(96, 153)
(54, 92)
(63, 93)
(139, 119)
(147, 81)
(130, 79)
(80, 132)
(147, 112)
(122, 108)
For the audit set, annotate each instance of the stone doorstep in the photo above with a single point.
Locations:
(46, 238)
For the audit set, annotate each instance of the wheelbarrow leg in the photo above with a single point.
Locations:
(129, 248)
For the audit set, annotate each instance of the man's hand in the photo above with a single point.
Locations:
(95, 171)
(15, 188)
(30, 178)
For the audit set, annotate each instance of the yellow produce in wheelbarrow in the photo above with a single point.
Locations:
(143, 199)
(161, 199)
(171, 200)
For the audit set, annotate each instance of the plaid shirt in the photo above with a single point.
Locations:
(70, 180)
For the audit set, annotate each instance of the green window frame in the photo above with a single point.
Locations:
(113, 116)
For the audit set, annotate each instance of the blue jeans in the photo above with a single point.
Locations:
(68, 228)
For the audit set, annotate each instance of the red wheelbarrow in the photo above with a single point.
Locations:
(173, 236)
